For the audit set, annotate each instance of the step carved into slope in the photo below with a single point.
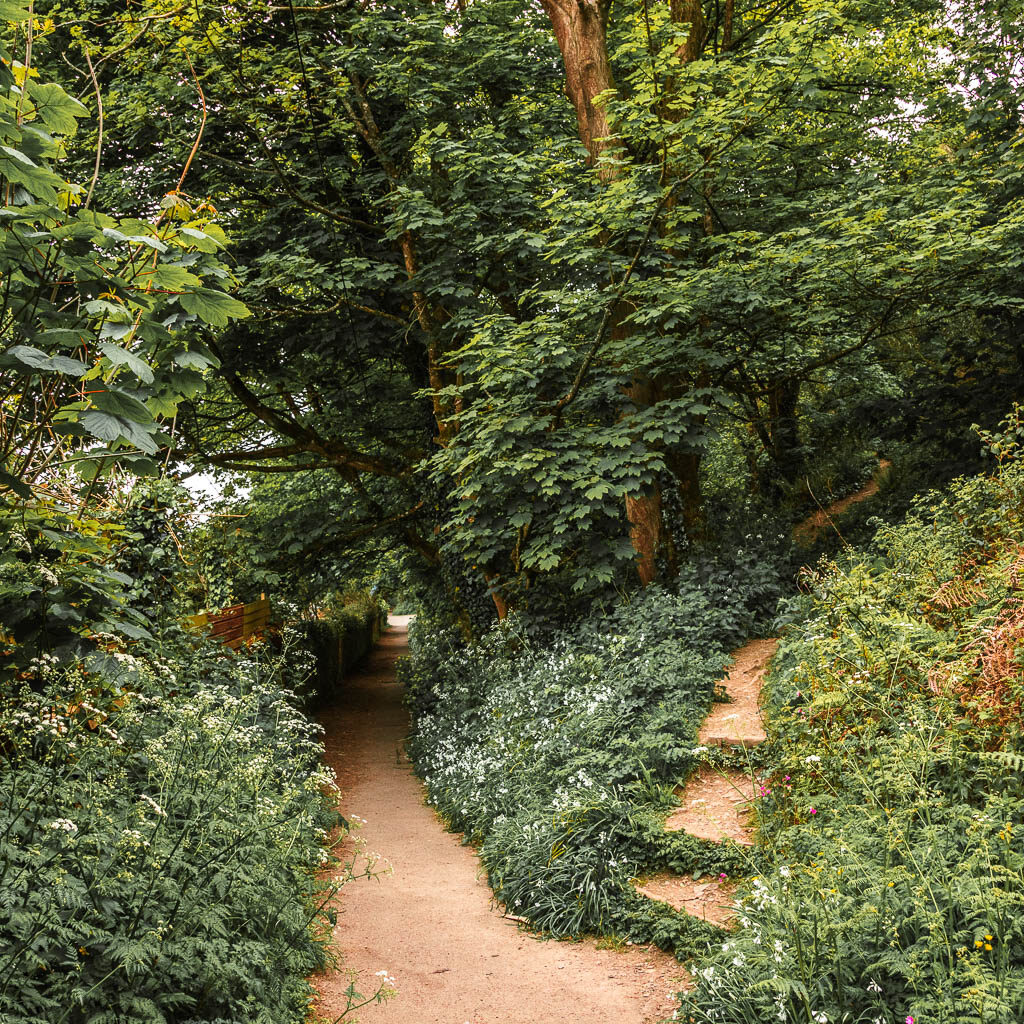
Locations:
(711, 899)
(715, 806)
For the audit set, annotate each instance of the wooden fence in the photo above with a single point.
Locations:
(234, 625)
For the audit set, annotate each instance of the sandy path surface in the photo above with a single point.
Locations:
(430, 922)
(738, 723)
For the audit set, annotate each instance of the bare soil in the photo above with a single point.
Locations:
(709, 899)
(738, 723)
(714, 806)
(431, 921)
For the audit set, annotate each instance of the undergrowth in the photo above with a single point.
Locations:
(161, 840)
(893, 889)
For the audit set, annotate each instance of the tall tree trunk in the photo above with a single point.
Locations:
(784, 430)
(580, 27)
(685, 467)
(643, 510)
(690, 12)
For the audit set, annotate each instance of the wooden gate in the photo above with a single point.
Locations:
(233, 626)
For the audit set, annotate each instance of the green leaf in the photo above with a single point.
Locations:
(58, 111)
(173, 278)
(116, 329)
(34, 359)
(140, 437)
(102, 425)
(127, 628)
(122, 357)
(119, 403)
(17, 154)
(12, 11)
(39, 182)
(163, 404)
(201, 240)
(214, 307)
(195, 360)
(112, 428)
(153, 243)
(13, 483)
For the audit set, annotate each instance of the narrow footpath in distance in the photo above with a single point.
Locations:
(430, 921)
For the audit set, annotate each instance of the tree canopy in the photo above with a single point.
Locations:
(517, 272)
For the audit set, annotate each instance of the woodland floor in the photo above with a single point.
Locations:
(429, 919)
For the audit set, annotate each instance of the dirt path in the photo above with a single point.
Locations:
(430, 923)
(738, 723)
(806, 532)
(714, 804)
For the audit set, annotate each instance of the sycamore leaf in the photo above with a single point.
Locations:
(102, 425)
(140, 436)
(204, 241)
(116, 329)
(19, 169)
(195, 360)
(33, 358)
(153, 243)
(11, 10)
(213, 307)
(120, 403)
(173, 278)
(122, 357)
(12, 483)
(112, 428)
(163, 404)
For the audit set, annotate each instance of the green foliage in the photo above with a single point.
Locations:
(98, 347)
(559, 758)
(57, 588)
(100, 336)
(164, 825)
(821, 215)
(895, 885)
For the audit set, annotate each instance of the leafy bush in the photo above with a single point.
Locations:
(560, 759)
(162, 836)
(896, 884)
(57, 589)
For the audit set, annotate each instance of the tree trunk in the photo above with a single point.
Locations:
(685, 467)
(500, 604)
(692, 13)
(580, 28)
(644, 514)
(784, 430)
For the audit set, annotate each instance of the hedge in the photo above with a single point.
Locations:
(339, 638)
